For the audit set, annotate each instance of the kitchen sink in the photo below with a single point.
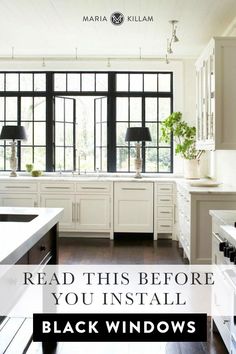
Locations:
(17, 217)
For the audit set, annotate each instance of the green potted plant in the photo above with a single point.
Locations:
(185, 142)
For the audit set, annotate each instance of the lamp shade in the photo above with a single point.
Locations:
(13, 132)
(138, 134)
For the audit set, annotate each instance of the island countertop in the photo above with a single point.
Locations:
(17, 238)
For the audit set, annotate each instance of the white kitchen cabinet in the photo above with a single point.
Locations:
(65, 201)
(18, 200)
(133, 207)
(194, 222)
(17, 193)
(216, 92)
(93, 212)
(87, 205)
(164, 216)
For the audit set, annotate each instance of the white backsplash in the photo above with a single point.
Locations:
(225, 166)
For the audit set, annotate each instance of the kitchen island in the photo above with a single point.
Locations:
(29, 235)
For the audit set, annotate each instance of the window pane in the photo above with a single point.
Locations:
(104, 134)
(2, 104)
(26, 156)
(12, 83)
(135, 108)
(136, 82)
(150, 82)
(59, 109)
(26, 82)
(101, 82)
(122, 82)
(39, 108)
(88, 82)
(39, 133)
(69, 159)
(26, 108)
(11, 108)
(120, 134)
(29, 133)
(122, 159)
(164, 160)
(161, 142)
(98, 134)
(122, 109)
(59, 158)
(151, 159)
(104, 159)
(59, 133)
(153, 131)
(164, 82)
(69, 135)
(1, 82)
(164, 108)
(73, 82)
(40, 158)
(151, 109)
(1, 158)
(39, 82)
(60, 82)
(69, 112)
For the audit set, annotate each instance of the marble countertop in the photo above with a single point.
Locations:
(224, 217)
(222, 188)
(18, 237)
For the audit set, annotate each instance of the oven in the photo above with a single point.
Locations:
(224, 294)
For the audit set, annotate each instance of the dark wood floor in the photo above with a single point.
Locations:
(129, 251)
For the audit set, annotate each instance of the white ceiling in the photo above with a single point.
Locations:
(55, 27)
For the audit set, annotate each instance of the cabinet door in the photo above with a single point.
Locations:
(67, 202)
(93, 212)
(133, 207)
(19, 200)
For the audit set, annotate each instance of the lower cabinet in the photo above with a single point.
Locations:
(82, 212)
(65, 201)
(93, 212)
(133, 207)
(18, 200)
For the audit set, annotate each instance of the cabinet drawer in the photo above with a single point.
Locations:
(133, 188)
(165, 212)
(57, 187)
(164, 226)
(164, 188)
(41, 249)
(165, 199)
(93, 187)
(12, 187)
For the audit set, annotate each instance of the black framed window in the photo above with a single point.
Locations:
(143, 100)
(72, 116)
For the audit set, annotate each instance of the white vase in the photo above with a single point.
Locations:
(191, 169)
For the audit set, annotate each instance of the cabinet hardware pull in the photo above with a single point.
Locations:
(165, 200)
(35, 204)
(226, 321)
(165, 189)
(20, 187)
(165, 225)
(78, 212)
(73, 212)
(133, 189)
(93, 187)
(51, 187)
(42, 248)
(217, 236)
(165, 212)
